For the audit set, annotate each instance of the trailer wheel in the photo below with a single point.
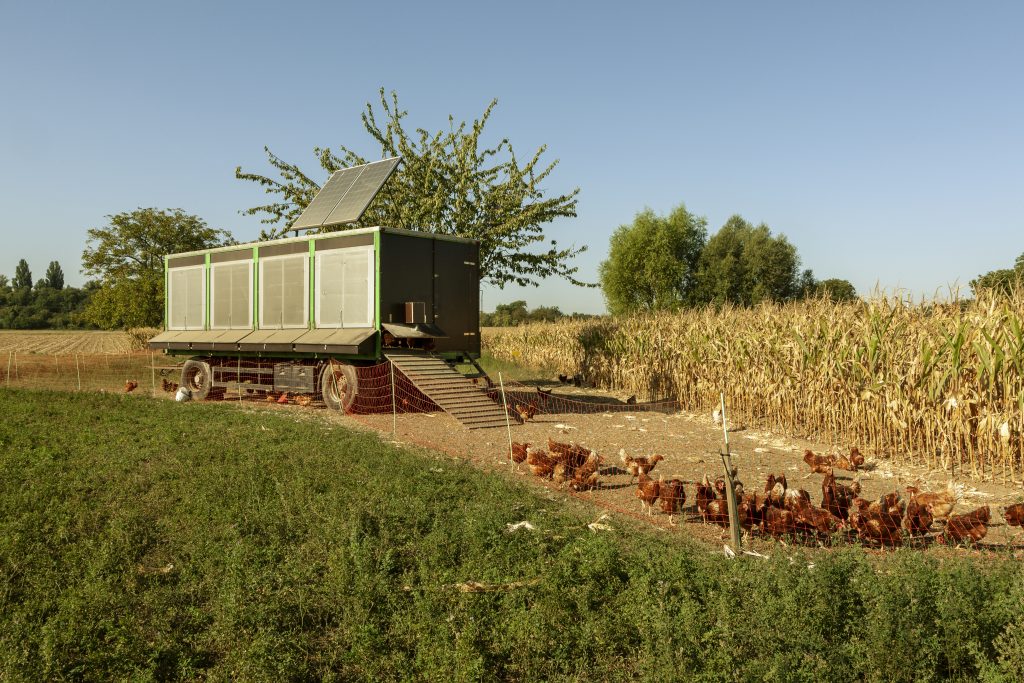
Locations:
(197, 377)
(339, 386)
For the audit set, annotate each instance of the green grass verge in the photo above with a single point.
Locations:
(146, 539)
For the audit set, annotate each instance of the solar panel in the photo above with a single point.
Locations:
(346, 194)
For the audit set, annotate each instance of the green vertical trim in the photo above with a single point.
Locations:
(255, 288)
(206, 290)
(376, 289)
(167, 300)
(312, 292)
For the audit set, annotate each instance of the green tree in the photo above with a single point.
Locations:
(745, 265)
(54, 276)
(836, 289)
(652, 263)
(22, 275)
(127, 257)
(447, 183)
(4, 283)
(1002, 280)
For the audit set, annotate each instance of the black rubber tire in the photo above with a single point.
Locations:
(339, 389)
(197, 377)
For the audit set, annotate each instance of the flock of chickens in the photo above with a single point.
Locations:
(777, 510)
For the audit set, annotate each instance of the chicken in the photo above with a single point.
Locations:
(972, 526)
(942, 504)
(880, 521)
(540, 463)
(304, 400)
(821, 464)
(586, 475)
(560, 474)
(639, 465)
(751, 510)
(647, 490)
(856, 459)
(817, 519)
(271, 397)
(168, 386)
(836, 498)
(919, 518)
(795, 499)
(705, 494)
(283, 399)
(775, 489)
(717, 512)
(526, 412)
(631, 401)
(1014, 515)
(564, 379)
(558, 448)
(544, 395)
(778, 522)
(673, 497)
(130, 386)
(519, 453)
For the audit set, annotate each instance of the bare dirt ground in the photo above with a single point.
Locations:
(690, 444)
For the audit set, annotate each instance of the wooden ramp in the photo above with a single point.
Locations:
(456, 394)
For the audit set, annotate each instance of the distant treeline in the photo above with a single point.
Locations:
(45, 304)
(516, 313)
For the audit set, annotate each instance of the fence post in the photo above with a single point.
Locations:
(9, 355)
(730, 491)
(152, 374)
(78, 372)
(238, 379)
(17, 375)
(508, 423)
(394, 407)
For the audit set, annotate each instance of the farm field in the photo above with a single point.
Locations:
(63, 342)
(183, 541)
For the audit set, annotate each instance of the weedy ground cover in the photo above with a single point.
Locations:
(153, 540)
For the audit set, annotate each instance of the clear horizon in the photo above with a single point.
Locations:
(883, 141)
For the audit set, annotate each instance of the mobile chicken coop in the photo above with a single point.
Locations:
(306, 311)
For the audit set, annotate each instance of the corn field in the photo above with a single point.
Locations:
(939, 384)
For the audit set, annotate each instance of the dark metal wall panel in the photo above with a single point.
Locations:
(228, 256)
(457, 295)
(185, 261)
(344, 241)
(284, 249)
(406, 274)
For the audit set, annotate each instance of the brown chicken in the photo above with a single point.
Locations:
(647, 490)
(168, 386)
(942, 504)
(1014, 514)
(796, 499)
(704, 496)
(919, 518)
(673, 497)
(817, 519)
(717, 512)
(837, 498)
(821, 464)
(775, 489)
(283, 399)
(586, 475)
(560, 474)
(526, 412)
(540, 463)
(972, 526)
(751, 510)
(304, 400)
(519, 453)
(271, 397)
(778, 522)
(639, 465)
(557, 448)
(130, 386)
(856, 459)
(880, 521)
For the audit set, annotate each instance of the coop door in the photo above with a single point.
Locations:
(187, 298)
(345, 288)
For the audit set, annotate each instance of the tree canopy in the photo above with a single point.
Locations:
(652, 263)
(1002, 280)
(127, 257)
(449, 182)
(22, 276)
(54, 276)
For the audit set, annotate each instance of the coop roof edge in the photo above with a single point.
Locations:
(325, 235)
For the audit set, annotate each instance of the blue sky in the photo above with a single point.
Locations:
(885, 140)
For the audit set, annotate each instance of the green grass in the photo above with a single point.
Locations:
(304, 552)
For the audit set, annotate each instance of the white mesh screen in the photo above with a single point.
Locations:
(344, 285)
(231, 295)
(186, 291)
(284, 291)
